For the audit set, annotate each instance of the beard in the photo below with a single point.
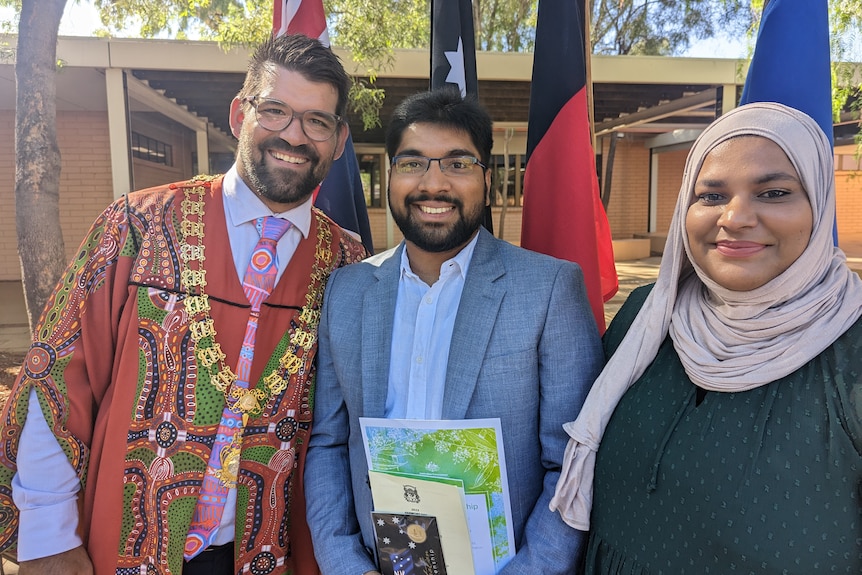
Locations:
(437, 238)
(282, 186)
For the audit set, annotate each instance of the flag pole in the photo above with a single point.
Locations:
(588, 60)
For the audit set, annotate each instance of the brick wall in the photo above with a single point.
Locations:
(670, 168)
(10, 267)
(85, 181)
(628, 210)
(848, 194)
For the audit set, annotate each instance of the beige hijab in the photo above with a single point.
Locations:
(728, 341)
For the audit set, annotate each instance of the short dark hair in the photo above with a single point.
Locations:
(297, 53)
(445, 107)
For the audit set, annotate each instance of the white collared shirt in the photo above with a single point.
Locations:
(421, 334)
(48, 501)
(242, 207)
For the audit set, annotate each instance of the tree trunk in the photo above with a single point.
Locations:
(509, 133)
(37, 153)
(609, 171)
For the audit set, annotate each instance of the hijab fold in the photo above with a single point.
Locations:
(728, 341)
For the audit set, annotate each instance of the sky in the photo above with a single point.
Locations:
(81, 19)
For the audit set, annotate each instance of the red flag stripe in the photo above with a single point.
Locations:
(563, 215)
(300, 17)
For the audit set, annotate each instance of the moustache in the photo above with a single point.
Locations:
(426, 197)
(279, 145)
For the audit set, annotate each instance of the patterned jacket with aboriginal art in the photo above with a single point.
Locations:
(127, 373)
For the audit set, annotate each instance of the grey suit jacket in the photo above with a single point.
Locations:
(525, 348)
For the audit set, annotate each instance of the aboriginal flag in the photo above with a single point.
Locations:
(563, 214)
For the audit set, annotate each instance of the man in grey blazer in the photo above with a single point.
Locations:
(451, 324)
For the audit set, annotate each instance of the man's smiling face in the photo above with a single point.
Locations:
(438, 211)
(285, 167)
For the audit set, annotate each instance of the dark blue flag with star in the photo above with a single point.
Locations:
(453, 55)
(453, 46)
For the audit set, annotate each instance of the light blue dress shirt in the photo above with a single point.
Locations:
(421, 334)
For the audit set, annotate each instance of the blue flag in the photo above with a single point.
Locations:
(791, 63)
(341, 196)
(453, 46)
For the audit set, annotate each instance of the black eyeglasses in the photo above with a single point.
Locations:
(451, 165)
(275, 116)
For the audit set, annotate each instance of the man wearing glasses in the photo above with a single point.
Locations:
(163, 412)
(452, 324)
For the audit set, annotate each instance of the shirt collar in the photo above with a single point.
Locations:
(242, 205)
(461, 260)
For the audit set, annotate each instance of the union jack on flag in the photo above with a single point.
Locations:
(300, 17)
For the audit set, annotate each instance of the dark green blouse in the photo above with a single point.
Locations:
(762, 481)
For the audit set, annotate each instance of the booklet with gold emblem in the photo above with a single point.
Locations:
(408, 544)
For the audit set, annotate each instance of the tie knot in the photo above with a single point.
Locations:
(273, 228)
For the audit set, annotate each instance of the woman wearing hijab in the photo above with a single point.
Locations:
(725, 433)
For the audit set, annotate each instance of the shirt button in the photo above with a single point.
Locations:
(419, 359)
(429, 299)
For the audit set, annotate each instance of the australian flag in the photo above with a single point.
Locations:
(453, 54)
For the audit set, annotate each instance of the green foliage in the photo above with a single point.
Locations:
(180, 18)
(505, 25)
(372, 29)
(845, 20)
(367, 101)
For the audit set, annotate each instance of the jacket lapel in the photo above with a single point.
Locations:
(378, 315)
(477, 313)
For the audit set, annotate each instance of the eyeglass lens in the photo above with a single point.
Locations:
(276, 116)
(455, 165)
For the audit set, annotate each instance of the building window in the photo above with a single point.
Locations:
(513, 176)
(152, 150)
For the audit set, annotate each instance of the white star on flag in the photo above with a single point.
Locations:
(456, 73)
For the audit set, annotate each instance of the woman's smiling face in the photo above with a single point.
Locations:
(750, 217)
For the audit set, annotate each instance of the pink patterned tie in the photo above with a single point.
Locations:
(258, 283)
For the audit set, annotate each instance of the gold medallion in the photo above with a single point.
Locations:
(416, 533)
